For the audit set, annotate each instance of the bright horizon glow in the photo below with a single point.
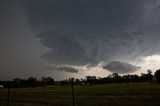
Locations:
(150, 62)
(146, 63)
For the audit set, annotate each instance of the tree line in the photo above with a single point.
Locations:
(29, 82)
(89, 80)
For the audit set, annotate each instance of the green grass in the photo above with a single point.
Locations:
(134, 94)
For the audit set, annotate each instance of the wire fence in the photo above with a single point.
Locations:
(138, 94)
(12, 97)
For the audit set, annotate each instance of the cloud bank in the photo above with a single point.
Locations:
(64, 68)
(120, 67)
(87, 32)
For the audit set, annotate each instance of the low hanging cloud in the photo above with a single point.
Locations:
(64, 47)
(63, 68)
(121, 67)
(90, 31)
(68, 69)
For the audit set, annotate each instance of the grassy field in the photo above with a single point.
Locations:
(134, 94)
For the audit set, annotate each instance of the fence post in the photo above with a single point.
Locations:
(73, 92)
(8, 94)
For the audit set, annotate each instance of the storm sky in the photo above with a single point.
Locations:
(63, 38)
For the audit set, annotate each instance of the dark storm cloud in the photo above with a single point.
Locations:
(120, 67)
(67, 69)
(79, 32)
(63, 68)
(64, 47)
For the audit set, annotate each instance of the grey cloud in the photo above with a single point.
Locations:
(63, 68)
(88, 32)
(120, 67)
(64, 47)
(68, 69)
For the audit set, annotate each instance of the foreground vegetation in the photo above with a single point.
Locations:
(125, 94)
(112, 78)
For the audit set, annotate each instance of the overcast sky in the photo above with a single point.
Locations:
(66, 38)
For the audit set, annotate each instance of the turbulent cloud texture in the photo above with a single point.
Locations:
(63, 68)
(80, 32)
(68, 69)
(120, 67)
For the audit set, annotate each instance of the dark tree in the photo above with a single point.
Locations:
(18, 82)
(146, 77)
(91, 79)
(157, 75)
(47, 81)
(32, 81)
